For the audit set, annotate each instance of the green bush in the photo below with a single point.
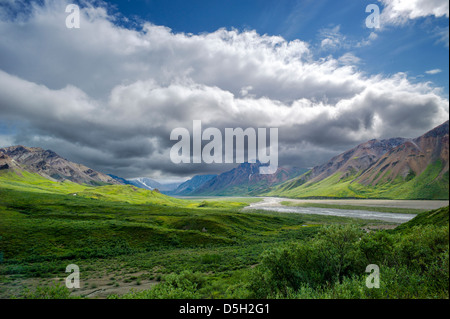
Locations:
(211, 259)
(331, 256)
(185, 285)
(413, 264)
(48, 292)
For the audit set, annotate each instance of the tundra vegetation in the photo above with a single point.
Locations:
(161, 247)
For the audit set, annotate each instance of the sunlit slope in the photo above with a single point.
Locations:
(51, 166)
(431, 184)
(34, 183)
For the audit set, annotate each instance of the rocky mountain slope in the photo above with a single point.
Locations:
(350, 162)
(49, 165)
(394, 168)
(411, 158)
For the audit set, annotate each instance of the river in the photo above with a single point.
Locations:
(274, 204)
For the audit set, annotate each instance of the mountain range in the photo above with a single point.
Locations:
(190, 186)
(150, 184)
(244, 180)
(398, 168)
(393, 168)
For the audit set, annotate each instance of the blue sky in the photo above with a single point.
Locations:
(414, 48)
(108, 94)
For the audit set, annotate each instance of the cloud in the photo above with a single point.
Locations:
(332, 38)
(367, 41)
(434, 71)
(349, 59)
(6, 140)
(442, 35)
(111, 101)
(398, 12)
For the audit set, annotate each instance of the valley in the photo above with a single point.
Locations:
(140, 248)
(240, 234)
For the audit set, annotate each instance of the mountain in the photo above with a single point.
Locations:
(244, 180)
(7, 163)
(350, 162)
(144, 182)
(411, 158)
(49, 165)
(393, 168)
(147, 183)
(121, 180)
(150, 184)
(190, 186)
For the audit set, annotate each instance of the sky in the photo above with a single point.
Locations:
(109, 93)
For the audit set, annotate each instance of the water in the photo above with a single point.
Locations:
(274, 204)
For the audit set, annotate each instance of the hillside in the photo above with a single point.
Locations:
(394, 168)
(411, 158)
(49, 165)
(350, 162)
(437, 217)
(34, 170)
(33, 183)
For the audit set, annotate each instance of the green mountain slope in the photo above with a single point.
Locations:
(50, 165)
(437, 217)
(34, 183)
(415, 169)
(431, 184)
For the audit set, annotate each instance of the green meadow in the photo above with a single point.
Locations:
(134, 243)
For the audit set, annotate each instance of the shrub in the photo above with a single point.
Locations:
(413, 264)
(185, 285)
(48, 292)
(314, 263)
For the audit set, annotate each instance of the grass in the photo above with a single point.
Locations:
(438, 217)
(42, 226)
(124, 234)
(43, 232)
(33, 183)
(331, 187)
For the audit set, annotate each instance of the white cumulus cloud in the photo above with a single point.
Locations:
(397, 12)
(108, 96)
